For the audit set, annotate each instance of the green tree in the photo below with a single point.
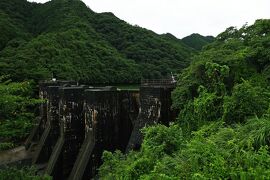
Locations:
(16, 116)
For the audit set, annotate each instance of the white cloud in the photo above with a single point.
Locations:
(183, 17)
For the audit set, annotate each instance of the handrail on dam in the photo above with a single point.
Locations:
(158, 82)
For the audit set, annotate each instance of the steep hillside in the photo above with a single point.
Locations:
(70, 41)
(230, 78)
(13, 20)
(197, 41)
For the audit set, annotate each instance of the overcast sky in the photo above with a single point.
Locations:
(184, 17)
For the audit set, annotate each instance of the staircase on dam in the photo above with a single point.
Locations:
(78, 123)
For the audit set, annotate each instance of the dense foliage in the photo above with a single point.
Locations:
(16, 117)
(28, 173)
(213, 152)
(197, 41)
(229, 80)
(66, 39)
(223, 128)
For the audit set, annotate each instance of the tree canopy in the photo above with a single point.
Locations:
(66, 39)
(197, 41)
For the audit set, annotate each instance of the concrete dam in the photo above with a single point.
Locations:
(77, 123)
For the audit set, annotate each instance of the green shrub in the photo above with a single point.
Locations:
(215, 151)
(16, 112)
(6, 145)
(27, 173)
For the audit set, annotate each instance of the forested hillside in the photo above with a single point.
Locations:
(223, 128)
(197, 41)
(66, 39)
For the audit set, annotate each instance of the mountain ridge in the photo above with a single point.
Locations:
(69, 40)
(197, 41)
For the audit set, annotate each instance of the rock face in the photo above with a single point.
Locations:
(79, 122)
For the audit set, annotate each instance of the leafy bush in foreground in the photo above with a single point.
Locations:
(215, 151)
(16, 116)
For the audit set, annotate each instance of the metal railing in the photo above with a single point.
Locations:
(158, 82)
